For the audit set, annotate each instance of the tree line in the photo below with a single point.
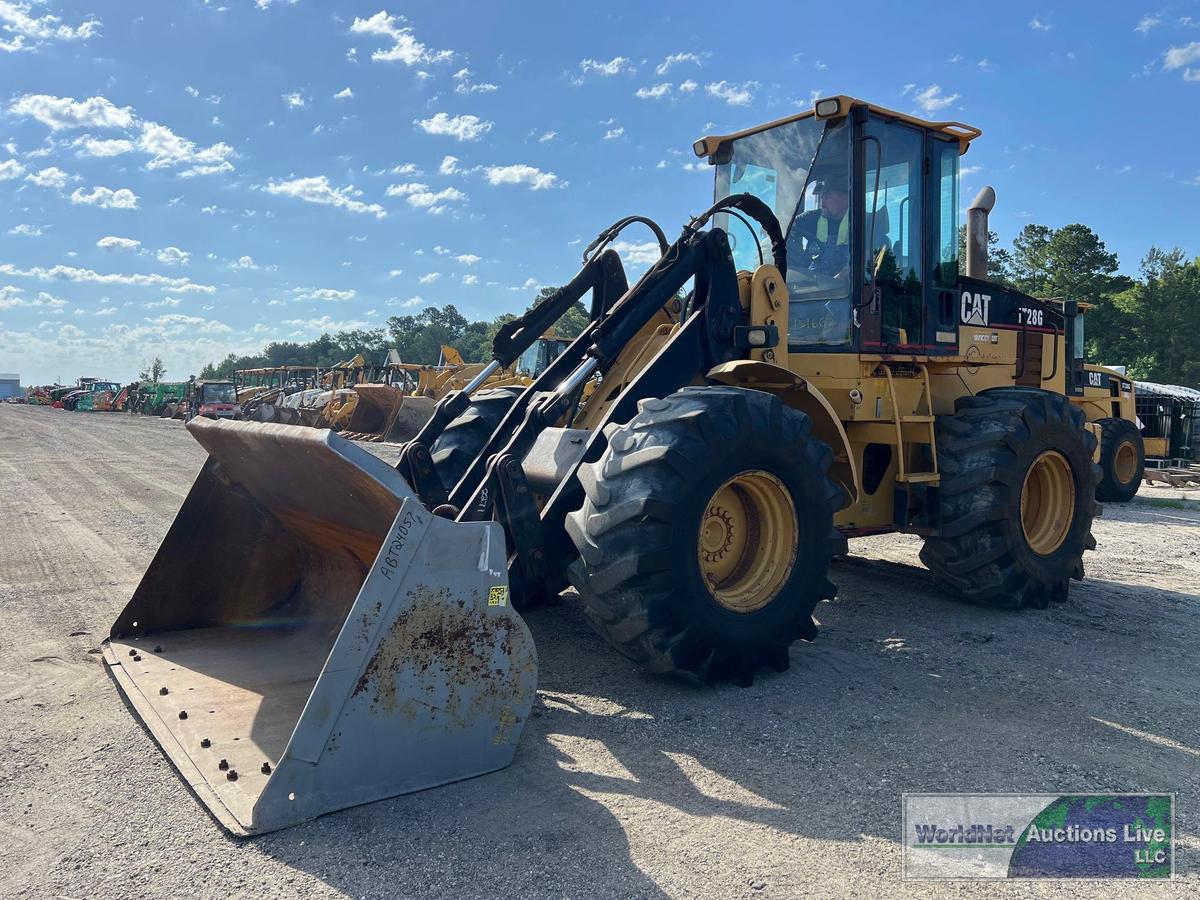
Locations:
(417, 338)
(1149, 323)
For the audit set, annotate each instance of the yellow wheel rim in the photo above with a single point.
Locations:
(1125, 462)
(747, 543)
(1047, 502)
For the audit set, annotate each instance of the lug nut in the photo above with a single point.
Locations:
(133, 652)
(183, 714)
(231, 774)
(223, 765)
(266, 768)
(136, 658)
(205, 742)
(163, 691)
(158, 648)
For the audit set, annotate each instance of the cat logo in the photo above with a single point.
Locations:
(975, 308)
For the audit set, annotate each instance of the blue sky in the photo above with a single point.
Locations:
(187, 179)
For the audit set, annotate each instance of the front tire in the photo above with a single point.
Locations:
(1017, 498)
(1122, 460)
(464, 438)
(705, 534)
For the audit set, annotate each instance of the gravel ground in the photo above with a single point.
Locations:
(624, 785)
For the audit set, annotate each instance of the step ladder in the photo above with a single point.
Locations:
(926, 435)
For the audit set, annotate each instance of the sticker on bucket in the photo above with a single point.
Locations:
(498, 596)
(1039, 836)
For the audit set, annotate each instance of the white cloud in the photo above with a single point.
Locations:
(409, 303)
(10, 169)
(657, 92)
(90, 146)
(70, 273)
(435, 202)
(614, 66)
(440, 250)
(319, 190)
(173, 256)
(323, 294)
(19, 22)
(530, 284)
(613, 133)
(10, 299)
(395, 273)
(177, 323)
(547, 136)
(168, 149)
(403, 190)
(106, 311)
(245, 262)
(733, 94)
(930, 99)
(461, 128)
(106, 198)
(521, 174)
(167, 302)
(326, 324)
(970, 170)
(117, 243)
(1038, 25)
(1148, 22)
(26, 230)
(470, 279)
(65, 112)
(53, 177)
(1179, 57)
(638, 254)
(430, 278)
(344, 94)
(405, 47)
(468, 259)
(449, 166)
(686, 87)
(675, 59)
(294, 100)
(466, 86)
(405, 169)
(191, 91)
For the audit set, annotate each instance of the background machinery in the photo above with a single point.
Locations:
(689, 462)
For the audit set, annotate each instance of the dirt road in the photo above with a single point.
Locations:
(624, 785)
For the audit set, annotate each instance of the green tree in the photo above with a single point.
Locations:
(1070, 263)
(153, 371)
(1151, 325)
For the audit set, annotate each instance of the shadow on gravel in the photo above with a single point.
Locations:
(621, 776)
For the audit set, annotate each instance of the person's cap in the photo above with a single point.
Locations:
(825, 187)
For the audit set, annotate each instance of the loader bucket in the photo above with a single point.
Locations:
(309, 637)
(384, 413)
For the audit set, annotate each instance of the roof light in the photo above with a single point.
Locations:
(827, 108)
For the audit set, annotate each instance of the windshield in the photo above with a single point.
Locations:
(802, 171)
(220, 393)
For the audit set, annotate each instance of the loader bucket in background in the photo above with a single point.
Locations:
(374, 413)
(309, 637)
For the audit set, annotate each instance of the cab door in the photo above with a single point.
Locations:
(893, 233)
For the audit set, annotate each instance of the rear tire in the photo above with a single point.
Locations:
(1122, 460)
(464, 438)
(676, 568)
(1017, 498)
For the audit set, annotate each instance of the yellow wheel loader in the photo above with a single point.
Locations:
(690, 462)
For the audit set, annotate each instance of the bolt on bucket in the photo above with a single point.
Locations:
(309, 637)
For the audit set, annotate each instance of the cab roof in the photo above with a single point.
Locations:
(825, 108)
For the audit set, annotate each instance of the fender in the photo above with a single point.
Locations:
(798, 393)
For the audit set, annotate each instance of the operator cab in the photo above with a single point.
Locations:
(868, 201)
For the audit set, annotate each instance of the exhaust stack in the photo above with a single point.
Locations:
(977, 233)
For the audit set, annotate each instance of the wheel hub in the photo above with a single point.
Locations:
(747, 541)
(1047, 502)
(1125, 462)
